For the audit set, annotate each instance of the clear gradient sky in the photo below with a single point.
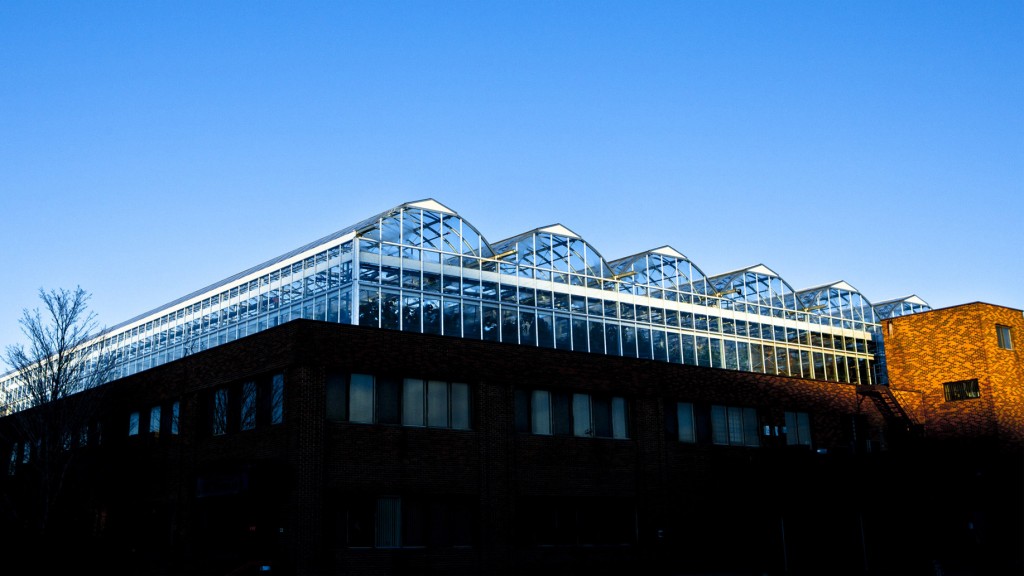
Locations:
(148, 149)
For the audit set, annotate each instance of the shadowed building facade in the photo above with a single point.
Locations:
(404, 397)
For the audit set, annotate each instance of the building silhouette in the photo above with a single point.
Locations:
(404, 397)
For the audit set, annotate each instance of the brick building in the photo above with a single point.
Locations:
(960, 370)
(319, 448)
(404, 397)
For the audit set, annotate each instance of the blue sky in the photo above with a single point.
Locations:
(148, 149)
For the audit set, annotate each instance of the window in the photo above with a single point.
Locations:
(961, 390)
(154, 420)
(415, 402)
(548, 413)
(1003, 335)
(220, 412)
(13, 466)
(684, 417)
(388, 523)
(734, 426)
(248, 406)
(277, 399)
(175, 413)
(133, 424)
(243, 406)
(798, 429)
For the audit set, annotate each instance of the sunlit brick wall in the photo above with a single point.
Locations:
(926, 350)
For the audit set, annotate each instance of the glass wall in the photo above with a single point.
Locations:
(421, 268)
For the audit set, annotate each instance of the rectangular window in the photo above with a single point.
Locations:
(961, 390)
(248, 407)
(619, 418)
(175, 414)
(437, 404)
(460, 406)
(798, 429)
(1003, 335)
(412, 403)
(409, 402)
(360, 398)
(387, 401)
(154, 420)
(133, 424)
(277, 399)
(540, 413)
(13, 466)
(220, 412)
(388, 523)
(684, 417)
(337, 398)
(734, 426)
(546, 413)
(581, 424)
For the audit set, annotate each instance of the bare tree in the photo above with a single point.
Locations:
(55, 365)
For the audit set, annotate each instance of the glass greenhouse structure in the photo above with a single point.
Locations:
(421, 267)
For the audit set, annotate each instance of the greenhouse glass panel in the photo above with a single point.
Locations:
(659, 345)
(643, 343)
(703, 351)
(509, 325)
(612, 339)
(471, 320)
(579, 334)
(769, 360)
(491, 317)
(743, 355)
(452, 317)
(527, 327)
(597, 343)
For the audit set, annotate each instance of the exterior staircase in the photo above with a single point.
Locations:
(891, 409)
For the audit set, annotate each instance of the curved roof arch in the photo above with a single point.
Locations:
(425, 224)
(661, 268)
(756, 285)
(837, 300)
(554, 247)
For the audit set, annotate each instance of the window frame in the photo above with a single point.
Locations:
(797, 428)
(412, 403)
(133, 423)
(741, 426)
(554, 413)
(960, 390)
(1004, 337)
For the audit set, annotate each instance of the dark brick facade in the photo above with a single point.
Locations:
(284, 495)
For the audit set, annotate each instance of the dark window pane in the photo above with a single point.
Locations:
(602, 412)
(560, 413)
(387, 401)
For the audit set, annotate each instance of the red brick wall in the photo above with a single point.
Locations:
(925, 350)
